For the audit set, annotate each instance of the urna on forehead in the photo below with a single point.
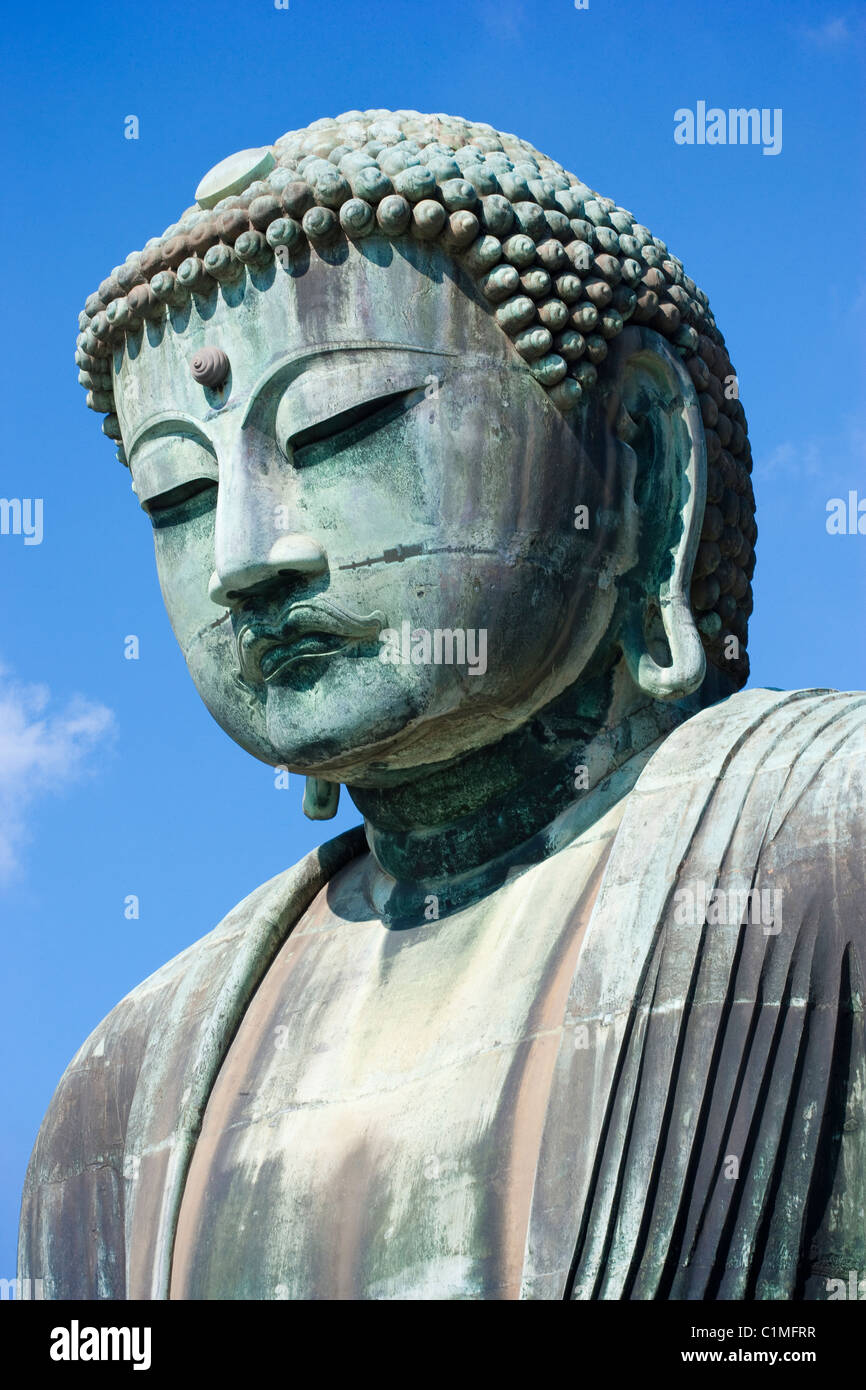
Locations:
(559, 269)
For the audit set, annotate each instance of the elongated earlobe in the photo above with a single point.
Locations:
(321, 799)
(688, 662)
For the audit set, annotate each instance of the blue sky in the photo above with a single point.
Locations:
(113, 779)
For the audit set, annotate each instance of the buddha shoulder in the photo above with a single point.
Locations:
(786, 769)
(803, 744)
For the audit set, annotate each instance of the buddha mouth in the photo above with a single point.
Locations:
(308, 630)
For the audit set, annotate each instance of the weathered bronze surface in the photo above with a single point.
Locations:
(456, 449)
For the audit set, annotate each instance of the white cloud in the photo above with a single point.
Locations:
(833, 33)
(835, 454)
(504, 19)
(802, 459)
(41, 751)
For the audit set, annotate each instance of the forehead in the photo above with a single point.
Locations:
(411, 296)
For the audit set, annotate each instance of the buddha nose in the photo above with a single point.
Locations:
(292, 554)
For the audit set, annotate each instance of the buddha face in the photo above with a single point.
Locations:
(366, 537)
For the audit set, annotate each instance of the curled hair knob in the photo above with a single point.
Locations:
(210, 367)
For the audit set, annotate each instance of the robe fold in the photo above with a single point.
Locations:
(703, 1136)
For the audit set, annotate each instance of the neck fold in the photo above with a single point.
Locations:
(444, 826)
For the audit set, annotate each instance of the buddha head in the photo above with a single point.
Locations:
(431, 436)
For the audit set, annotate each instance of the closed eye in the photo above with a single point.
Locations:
(337, 432)
(171, 469)
(170, 505)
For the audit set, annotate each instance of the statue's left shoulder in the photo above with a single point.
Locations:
(822, 801)
(766, 730)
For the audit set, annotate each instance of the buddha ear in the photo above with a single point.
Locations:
(654, 416)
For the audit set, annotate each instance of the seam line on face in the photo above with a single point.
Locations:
(412, 553)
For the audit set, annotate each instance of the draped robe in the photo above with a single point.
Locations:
(710, 1142)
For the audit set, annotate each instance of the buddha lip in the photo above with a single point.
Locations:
(308, 630)
(277, 655)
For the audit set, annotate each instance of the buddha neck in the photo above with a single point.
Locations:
(451, 828)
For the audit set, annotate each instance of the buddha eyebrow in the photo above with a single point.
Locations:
(168, 422)
(302, 356)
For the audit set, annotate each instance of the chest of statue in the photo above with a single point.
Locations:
(374, 1130)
